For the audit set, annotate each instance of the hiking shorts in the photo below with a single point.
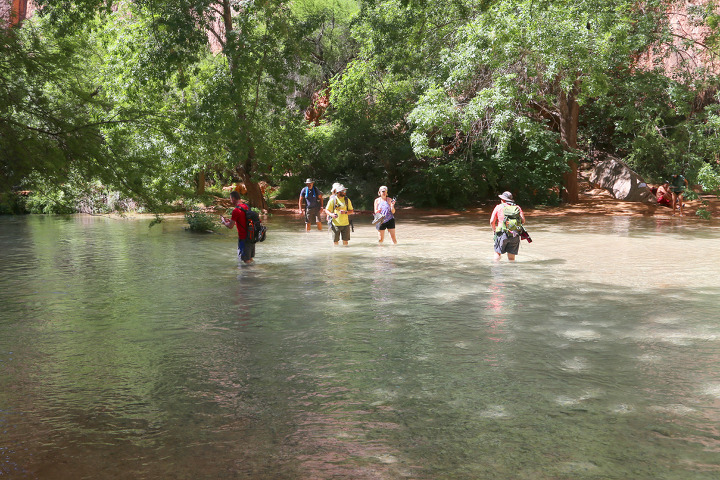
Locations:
(246, 250)
(312, 215)
(506, 243)
(336, 232)
(389, 225)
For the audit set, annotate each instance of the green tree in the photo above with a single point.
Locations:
(523, 66)
(157, 47)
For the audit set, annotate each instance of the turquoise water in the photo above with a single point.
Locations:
(136, 352)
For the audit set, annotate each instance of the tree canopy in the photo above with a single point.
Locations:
(448, 102)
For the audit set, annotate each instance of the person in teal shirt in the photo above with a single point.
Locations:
(678, 184)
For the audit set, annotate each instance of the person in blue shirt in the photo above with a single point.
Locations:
(313, 201)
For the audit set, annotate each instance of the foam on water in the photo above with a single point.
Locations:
(576, 364)
(585, 335)
(712, 389)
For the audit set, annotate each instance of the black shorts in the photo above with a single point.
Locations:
(389, 225)
(506, 243)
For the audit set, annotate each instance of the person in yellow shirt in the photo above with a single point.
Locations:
(338, 209)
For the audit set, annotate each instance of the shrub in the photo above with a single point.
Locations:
(200, 221)
(12, 203)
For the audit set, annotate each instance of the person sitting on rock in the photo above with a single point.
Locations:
(664, 197)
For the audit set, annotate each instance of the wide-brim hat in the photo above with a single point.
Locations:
(507, 196)
(309, 180)
(382, 189)
(340, 187)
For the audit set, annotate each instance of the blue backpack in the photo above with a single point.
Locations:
(311, 201)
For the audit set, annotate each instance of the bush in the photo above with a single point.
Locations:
(200, 221)
(709, 178)
(56, 201)
(12, 203)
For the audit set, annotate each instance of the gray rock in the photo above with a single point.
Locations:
(624, 184)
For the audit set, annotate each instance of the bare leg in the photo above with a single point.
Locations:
(381, 236)
(307, 227)
(392, 234)
(511, 257)
(345, 243)
(674, 201)
(680, 204)
(319, 224)
(497, 257)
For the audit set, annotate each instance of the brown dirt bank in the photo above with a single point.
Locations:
(592, 202)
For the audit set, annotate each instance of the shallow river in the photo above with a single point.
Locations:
(141, 353)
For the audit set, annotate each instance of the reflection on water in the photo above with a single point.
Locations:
(130, 352)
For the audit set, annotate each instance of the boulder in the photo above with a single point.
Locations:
(624, 184)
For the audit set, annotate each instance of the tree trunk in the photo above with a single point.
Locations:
(255, 195)
(569, 118)
(254, 192)
(200, 187)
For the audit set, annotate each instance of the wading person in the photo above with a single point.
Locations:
(678, 184)
(246, 250)
(313, 200)
(506, 221)
(385, 207)
(338, 209)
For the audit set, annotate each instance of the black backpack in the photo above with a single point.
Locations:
(255, 229)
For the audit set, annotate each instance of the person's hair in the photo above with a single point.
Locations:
(234, 195)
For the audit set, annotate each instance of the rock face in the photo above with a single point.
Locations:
(320, 102)
(621, 182)
(13, 12)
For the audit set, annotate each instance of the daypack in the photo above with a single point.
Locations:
(255, 229)
(512, 221)
(310, 201)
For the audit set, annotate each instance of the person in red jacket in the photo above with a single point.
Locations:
(246, 250)
(664, 196)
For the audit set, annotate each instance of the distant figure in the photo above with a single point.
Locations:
(678, 184)
(246, 250)
(313, 200)
(506, 221)
(664, 196)
(385, 207)
(338, 209)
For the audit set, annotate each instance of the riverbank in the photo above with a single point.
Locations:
(595, 202)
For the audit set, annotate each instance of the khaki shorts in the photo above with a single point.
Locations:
(336, 232)
(506, 243)
(312, 215)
